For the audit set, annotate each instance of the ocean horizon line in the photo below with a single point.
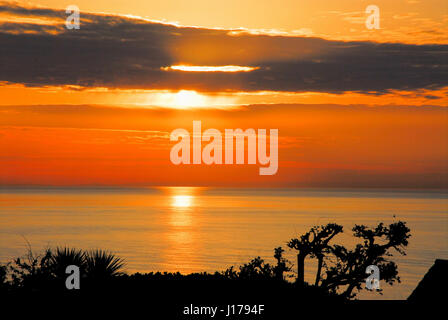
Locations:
(296, 191)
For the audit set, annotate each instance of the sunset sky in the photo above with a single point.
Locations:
(354, 107)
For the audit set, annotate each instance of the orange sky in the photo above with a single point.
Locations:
(350, 113)
(330, 146)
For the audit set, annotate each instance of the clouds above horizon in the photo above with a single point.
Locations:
(124, 52)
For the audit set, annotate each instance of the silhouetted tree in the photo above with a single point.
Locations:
(282, 264)
(314, 243)
(349, 270)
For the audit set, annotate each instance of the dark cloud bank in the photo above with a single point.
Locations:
(116, 51)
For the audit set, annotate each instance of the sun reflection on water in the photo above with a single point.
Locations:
(182, 201)
(182, 205)
(182, 227)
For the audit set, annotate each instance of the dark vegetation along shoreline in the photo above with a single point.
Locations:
(341, 272)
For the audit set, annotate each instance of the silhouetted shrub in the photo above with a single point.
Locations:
(31, 272)
(101, 264)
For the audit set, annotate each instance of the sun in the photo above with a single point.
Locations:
(185, 99)
(182, 201)
(182, 99)
(189, 98)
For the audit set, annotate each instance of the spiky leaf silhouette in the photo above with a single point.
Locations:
(64, 257)
(102, 264)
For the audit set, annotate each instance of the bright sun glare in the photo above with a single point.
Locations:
(187, 98)
(182, 201)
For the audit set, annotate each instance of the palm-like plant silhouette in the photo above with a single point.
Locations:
(101, 264)
(64, 257)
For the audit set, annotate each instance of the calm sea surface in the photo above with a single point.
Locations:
(207, 229)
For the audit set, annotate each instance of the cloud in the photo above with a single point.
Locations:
(116, 51)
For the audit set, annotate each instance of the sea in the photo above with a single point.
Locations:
(197, 229)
